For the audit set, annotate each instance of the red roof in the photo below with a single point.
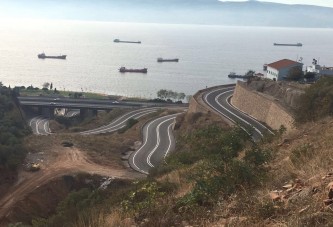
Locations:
(284, 63)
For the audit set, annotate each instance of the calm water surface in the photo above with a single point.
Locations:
(207, 54)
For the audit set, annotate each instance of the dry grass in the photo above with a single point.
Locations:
(303, 155)
(178, 177)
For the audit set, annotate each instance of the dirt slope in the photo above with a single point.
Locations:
(69, 160)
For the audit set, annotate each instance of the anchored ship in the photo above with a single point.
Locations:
(43, 56)
(246, 76)
(124, 70)
(288, 44)
(120, 41)
(167, 60)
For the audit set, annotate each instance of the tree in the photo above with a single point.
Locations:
(181, 96)
(162, 94)
(46, 85)
(51, 86)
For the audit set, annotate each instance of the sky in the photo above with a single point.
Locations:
(327, 3)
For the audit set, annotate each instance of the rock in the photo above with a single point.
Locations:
(289, 190)
(287, 186)
(275, 196)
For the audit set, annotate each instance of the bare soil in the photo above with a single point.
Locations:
(55, 161)
(98, 154)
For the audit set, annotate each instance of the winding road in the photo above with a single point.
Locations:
(120, 122)
(158, 141)
(219, 100)
(40, 125)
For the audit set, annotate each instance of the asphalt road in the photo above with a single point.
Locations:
(218, 100)
(120, 122)
(71, 103)
(158, 141)
(40, 125)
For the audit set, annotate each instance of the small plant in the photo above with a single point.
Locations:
(301, 154)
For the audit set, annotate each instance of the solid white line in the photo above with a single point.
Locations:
(37, 125)
(246, 122)
(170, 140)
(105, 128)
(215, 108)
(158, 141)
(232, 106)
(220, 111)
(146, 139)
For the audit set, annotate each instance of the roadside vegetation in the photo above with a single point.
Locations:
(12, 131)
(317, 102)
(219, 177)
(205, 170)
(49, 90)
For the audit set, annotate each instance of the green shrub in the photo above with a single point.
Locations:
(317, 101)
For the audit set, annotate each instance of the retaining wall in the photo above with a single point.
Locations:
(262, 107)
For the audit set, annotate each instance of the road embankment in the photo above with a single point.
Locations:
(197, 105)
(262, 107)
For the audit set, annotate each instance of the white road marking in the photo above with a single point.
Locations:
(107, 128)
(145, 142)
(158, 141)
(170, 140)
(246, 122)
(258, 122)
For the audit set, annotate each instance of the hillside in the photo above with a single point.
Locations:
(284, 181)
(216, 177)
(251, 13)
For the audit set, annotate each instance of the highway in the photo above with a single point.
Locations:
(218, 100)
(158, 141)
(98, 104)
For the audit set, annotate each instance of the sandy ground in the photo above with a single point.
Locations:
(66, 161)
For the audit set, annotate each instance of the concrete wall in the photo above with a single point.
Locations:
(262, 107)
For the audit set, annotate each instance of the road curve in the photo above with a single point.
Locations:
(158, 141)
(40, 126)
(218, 100)
(120, 122)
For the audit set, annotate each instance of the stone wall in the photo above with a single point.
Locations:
(262, 107)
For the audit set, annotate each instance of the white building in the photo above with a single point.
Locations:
(319, 70)
(279, 70)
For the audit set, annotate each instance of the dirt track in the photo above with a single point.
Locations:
(68, 160)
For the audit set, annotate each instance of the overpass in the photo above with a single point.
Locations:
(47, 105)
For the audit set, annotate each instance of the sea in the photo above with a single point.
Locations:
(207, 54)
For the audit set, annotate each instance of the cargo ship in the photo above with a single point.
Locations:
(124, 70)
(120, 41)
(234, 75)
(167, 60)
(289, 44)
(43, 56)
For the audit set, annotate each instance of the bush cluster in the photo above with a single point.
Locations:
(12, 130)
(317, 101)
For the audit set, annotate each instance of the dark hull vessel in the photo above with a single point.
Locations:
(289, 44)
(234, 75)
(124, 70)
(167, 60)
(43, 56)
(120, 41)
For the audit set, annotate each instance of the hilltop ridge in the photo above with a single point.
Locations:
(213, 12)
